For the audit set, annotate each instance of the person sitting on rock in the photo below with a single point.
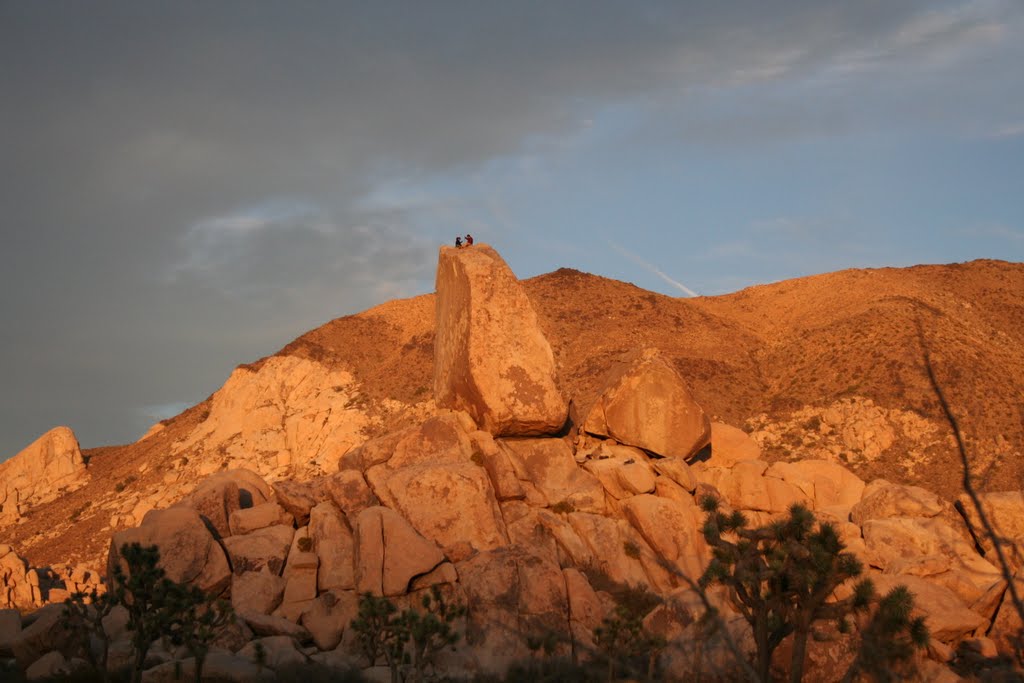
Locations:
(469, 240)
(458, 242)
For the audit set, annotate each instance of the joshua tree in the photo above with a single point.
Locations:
(159, 607)
(430, 631)
(410, 641)
(377, 630)
(84, 614)
(781, 577)
(200, 620)
(890, 638)
(623, 641)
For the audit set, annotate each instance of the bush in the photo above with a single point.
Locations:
(311, 672)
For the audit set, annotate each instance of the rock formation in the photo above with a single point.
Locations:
(647, 404)
(539, 530)
(25, 587)
(490, 357)
(50, 465)
(289, 414)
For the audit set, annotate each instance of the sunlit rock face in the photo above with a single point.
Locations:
(645, 403)
(290, 415)
(39, 473)
(490, 357)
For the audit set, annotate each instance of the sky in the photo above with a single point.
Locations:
(188, 186)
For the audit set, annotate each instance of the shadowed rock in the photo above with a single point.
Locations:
(188, 551)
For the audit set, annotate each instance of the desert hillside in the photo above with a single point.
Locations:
(764, 354)
(828, 366)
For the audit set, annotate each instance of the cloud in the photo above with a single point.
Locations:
(209, 182)
(213, 246)
(280, 254)
(995, 231)
(162, 411)
(732, 249)
(1010, 130)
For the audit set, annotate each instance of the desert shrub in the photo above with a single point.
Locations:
(430, 631)
(125, 483)
(312, 672)
(305, 544)
(549, 670)
(77, 512)
(563, 507)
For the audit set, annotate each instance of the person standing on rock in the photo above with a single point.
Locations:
(458, 242)
(469, 240)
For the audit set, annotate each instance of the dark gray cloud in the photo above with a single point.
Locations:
(185, 186)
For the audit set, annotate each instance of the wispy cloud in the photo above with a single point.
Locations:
(997, 231)
(923, 41)
(214, 243)
(1010, 130)
(271, 214)
(732, 249)
(651, 268)
(800, 228)
(162, 411)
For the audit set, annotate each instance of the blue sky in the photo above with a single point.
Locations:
(189, 186)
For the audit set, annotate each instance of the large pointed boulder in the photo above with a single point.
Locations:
(40, 472)
(645, 403)
(490, 357)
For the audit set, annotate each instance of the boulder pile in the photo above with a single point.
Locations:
(536, 523)
(26, 588)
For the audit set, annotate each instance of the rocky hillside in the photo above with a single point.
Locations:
(541, 465)
(821, 367)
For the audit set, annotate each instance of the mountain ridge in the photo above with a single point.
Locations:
(760, 358)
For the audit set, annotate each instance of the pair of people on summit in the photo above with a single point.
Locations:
(468, 243)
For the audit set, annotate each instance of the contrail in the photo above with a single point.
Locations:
(650, 267)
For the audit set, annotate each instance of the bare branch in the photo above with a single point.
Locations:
(968, 486)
